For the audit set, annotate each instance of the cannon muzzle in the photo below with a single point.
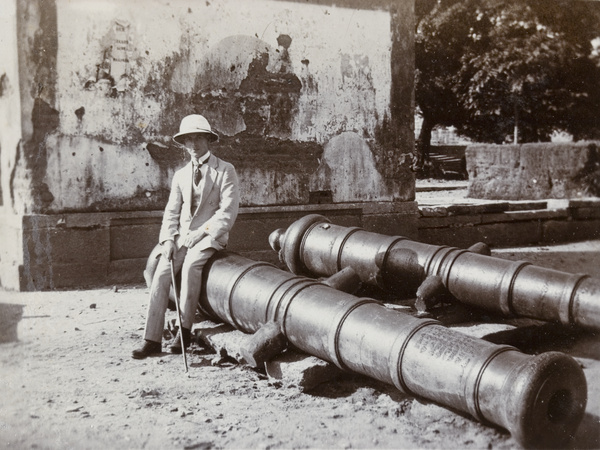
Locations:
(313, 246)
(539, 399)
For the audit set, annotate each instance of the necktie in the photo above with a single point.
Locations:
(197, 174)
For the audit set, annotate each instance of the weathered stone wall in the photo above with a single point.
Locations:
(10, 118)
(313, 101)
(534, 171)
(11, 250)
(510, 223)
(105, 84)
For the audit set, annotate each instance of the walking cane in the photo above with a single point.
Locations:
(178, 316)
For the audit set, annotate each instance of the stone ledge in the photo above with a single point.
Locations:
(585, 203)
(105, 219)
(322, 208)
(84, 220)
(526, 205)
(47, 252)
(449, 221)
(481, 208)
(586, 212)
(514, 216)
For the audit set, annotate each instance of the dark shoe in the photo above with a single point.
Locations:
(149, 348)
(176, 345)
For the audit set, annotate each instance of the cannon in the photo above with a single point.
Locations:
(539, 399)
(313, 246)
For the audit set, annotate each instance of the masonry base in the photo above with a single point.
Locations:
(97, 249)
(43, 252)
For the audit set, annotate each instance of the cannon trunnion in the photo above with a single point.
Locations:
(314, 247)
(539, 399)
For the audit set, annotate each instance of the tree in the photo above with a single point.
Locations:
(438, 50)
(507, 70)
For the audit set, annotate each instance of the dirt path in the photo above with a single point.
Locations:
(69, 382)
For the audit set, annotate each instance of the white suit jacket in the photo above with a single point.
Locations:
(216, 211)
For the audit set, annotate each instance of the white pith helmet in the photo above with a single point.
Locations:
(194, 124)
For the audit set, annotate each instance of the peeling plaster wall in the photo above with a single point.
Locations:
(10, 120)
(313, 102)
(11, 250)
(280, 81)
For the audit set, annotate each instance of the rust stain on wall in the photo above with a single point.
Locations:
(264, 101)
(39, 52)
(43, 50)
(45, 120)
(402, 88)
(589, 175)
(246, 150)
(391, 163)
(247, 88)
(140, 201)
(112, 72)
(268, 99)
(3, 84)
(246, 85)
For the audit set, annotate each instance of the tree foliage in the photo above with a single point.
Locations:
(489, 67)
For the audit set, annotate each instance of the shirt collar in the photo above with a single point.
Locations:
(202, 160)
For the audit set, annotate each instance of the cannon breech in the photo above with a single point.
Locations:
(539, 399)
(313, 246)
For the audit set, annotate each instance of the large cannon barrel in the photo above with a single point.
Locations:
(313, 246)
(539, 399)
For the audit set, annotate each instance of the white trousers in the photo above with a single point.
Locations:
(191, 263)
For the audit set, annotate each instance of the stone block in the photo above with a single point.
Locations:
(291, 367)
(511, 233)
(533, 171)
(433, 211)
(473, 209)
(542, 214)
(522, 216)
(449, 221)
(299, 369)
(254, 225)
(585, 213)
(73, 245)
(494, 234)
(461, 237)
(391, 224)
(127, 271)
(77, 274)
(558, 231)
(407, 208)
(587, 203)
(133, 238)
(527, 205)
(497, 218)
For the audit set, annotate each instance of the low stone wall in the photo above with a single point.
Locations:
(100, 249)
(534, 171)
(510, 223)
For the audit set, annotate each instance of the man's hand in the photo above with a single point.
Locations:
(193, 237)
(168, 249)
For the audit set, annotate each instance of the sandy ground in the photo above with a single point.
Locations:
(69, 382)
